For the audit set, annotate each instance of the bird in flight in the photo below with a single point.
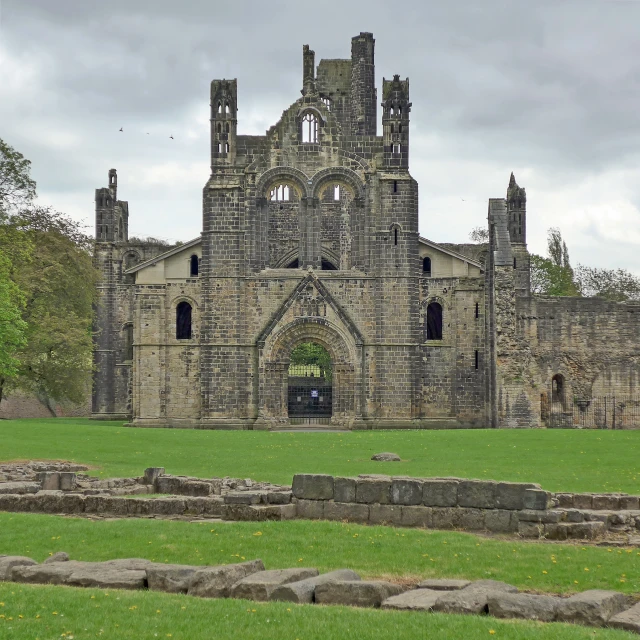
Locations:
(171, 137)
(120, 128)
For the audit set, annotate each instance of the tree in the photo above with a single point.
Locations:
(617, 285)
(553, 276)
(17, 189)
(557, 248)
(479, 235)
(315, 354)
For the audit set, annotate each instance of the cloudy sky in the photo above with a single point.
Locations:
(549, 90)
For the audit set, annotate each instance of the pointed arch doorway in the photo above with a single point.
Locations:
(310, 385)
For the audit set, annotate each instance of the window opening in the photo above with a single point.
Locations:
(477, 359)
(128, 342)
(310, 382)
(226, 148)
(477, 310)
(514, 263)
(293, 265)
(327, 266)
(426, 267)
(183, 321)
(219, 147)
(392, 128)
(194, 265)
(399, 128)
(396, 149)
(327, 102)
(219, 127)
(219, 107)
(227, 111)
(309, 128)
(395, 236)
(227, 128)
(281, 193)
(434, 321)
(557, 388)
(395, 186)
(336, 192)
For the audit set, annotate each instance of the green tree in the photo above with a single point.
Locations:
(315, 354)
(479, 235)
(17, 189)
(617, 285)
(553, 275)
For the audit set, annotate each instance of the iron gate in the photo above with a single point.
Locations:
(309, 398)
(605, 412)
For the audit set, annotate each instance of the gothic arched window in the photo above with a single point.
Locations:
(434, 321)
(183, 321)
(310, 127)
(281, 193)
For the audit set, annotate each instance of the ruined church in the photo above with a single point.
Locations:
(310, 235)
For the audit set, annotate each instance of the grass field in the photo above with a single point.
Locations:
(560, 460)
(42, 612)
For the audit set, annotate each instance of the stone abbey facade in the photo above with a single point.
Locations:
(310, 234)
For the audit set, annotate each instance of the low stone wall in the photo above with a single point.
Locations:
(471, 505)
(301, 585)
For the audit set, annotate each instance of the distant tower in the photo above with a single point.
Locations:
(517, 225)
(395, 122)
(112, 215)
(308, 71)
(363, 85)
(224, 121)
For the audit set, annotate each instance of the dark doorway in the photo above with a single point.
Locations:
(434, 321)
(310, 391)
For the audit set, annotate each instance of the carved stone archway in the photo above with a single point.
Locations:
(275, 356)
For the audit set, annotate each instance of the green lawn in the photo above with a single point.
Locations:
(372, 551)
(560, 460)
(41, 612)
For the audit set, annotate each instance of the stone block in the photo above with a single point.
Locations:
(260, 586)
(629, 620)
(7, 563)
(151, 474)
(417, 517)
(162, 506)
(68, 481)
(510, 495)
(583, 501)
(71, 503)
(171, 578)
(216, 582)
(536, 499)
(50, 480)
(586, 530)
(593, 608)
(500, 521)
(468, 519)
(344, 489)
(604, 502)
(540, 515)
(19, 488)
(244, 497)
(372, 491)
(472, 599)
(440, 493)
(443, 584)
(565, 500)
(477, 493)
(573, 515)
(356, 594)
(308, 486)
(414, 600)
(346, 511)
(557, 531)
(258, 512)
(390, 514)
(310, 509)
(631, 503)
(168, 484)
(530, 530)
(279, 497)
(522, 605)
(406, 491)
(213, 506)
(303, 592)
(59, 556)
(443, 517)
(196, 488)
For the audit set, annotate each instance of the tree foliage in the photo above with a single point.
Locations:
(315, 354)
(17, 189)
(617, 285)
(479, 235)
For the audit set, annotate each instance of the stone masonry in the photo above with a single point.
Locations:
(310, 234)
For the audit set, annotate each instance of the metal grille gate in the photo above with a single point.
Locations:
(605, 412)
(309, 400)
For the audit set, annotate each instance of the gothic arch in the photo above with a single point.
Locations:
(297, 179)
(338, 175)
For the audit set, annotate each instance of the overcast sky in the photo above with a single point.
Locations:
(549, 90)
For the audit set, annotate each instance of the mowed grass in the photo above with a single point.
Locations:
(560, 460)
(28, 612)
(408, 554)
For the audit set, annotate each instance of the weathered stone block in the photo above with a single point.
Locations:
(536, 499)
(477, 493)
(68, 481)
(500, 521)
(260, 586)
(370, 491)
(8, 562)
(418, 516)
(406, 491)
(59, 556)
(279, 497)
(631, 503)
(344, 489)
(603, 502)
(565, 500)
(310, 509)
(196, 488)
(541, 515)
(522, 605)
(151, 474)
(471, 599)
(583, 501)
(302, 592)
(558, 531)
(443, 584)
(530, 530)
(244, 497)
(50, 480)
(510, 495)
(468, 519)
(385, 514)
(347, 511)
(172, 578)
(628, 620)
(168, 484)
(443, 517)
(593, 608)
(19, 488)
(573, 515)
(586, 530)
(414, 600)
(307, 486)
(216, 582)
(163, 506)
(440, 493)
(356, 594)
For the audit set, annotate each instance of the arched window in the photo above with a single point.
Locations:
(226, 147)
(194, 266)
(310, 127)
(281, 193)
(434, 321)
(395, 236)
(219, 127)
(557, 388)
(219, 107)
(219, 147)
(396, 149)
(336, 192)
(183, 321)
(226, 108)
(227, 127)
(128, 343)
(426, 267)
(327, 102)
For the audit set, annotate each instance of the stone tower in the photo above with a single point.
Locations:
(517, 225)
